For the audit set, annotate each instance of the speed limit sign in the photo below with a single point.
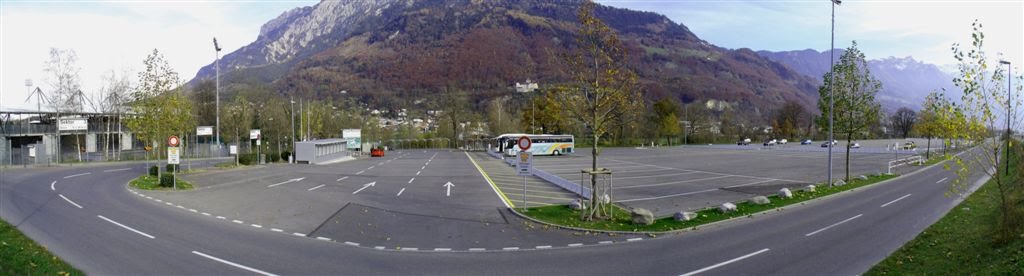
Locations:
(524, 143)
(173, 141)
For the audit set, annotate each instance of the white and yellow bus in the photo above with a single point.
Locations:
(543, 144)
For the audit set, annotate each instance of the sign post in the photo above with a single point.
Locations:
(173, 158)
(524, 163)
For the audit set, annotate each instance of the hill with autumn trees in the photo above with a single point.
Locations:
(390, 53)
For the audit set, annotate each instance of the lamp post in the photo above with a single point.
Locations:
(291, 156)
(1009, 106)
(216, 68)
(832, 89)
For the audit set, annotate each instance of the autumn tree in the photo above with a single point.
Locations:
(984, 100)
(601, 90)
(455, 106)
(854, 98)
(928, 121)
(666, 118)
(903, 121)
(159, 109)
(786, 122)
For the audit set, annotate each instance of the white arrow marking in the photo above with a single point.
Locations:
(286, 182)
(449, 187)
(367, 185)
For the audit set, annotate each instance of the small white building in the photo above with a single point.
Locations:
(529, 86)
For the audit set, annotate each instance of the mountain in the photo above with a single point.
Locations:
(905, 81)
(395, 52)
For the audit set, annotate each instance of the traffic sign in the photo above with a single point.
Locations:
(254, 134)
(524, 164)
(173, 155)
(524, 143)
(173, 141)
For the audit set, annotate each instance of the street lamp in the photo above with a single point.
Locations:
(216, 68)
(1009, 106)
(832, 89)
(290, 156)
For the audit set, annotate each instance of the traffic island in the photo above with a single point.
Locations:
(150, 182)
(621, 219)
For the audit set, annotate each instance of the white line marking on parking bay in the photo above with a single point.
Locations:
(894, 201)
(126, 227)
(117, 170)
(725, 262)
(940, 180)
(232, 264)
(314, 188)
(77, 175)
(361, 172)
(343, 178)
(69, 201)
(833, 225)
(667, 196)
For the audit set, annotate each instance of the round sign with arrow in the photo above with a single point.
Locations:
(173, 141)
(524, 143)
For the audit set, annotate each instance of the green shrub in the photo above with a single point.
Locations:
(171, 168)
(154, 170)
(285, 156)
(247, 159)
(273, 157)
(167, 180)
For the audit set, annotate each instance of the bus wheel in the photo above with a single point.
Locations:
(556, 153)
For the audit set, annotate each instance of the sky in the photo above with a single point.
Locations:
(117, 35)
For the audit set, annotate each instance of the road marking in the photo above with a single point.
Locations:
(149, 197)
(508, 203)
(442, 249)
(314, 188)
(323, 239)
(232, 264)
(352, 243)
(543, 247)
(361, 172)
(76, 175)
(51, 186)
(410, 249)
(725, 262)
(411, 179)
(180, 207)
(276, 230)
(169, 203)
(126, 227)
(206, 214)
(477, 249)
(117, 170)
(370, 168)
(448, 186)
(605, 242)
(575, 244)
(238, 221)
(343, 178)
(667, 196)
(418, 172)
(634, 239)
(940, 180)
(378, 247)
(221, 217)
(674, 182)
(367, 185)
(69, 201)
(193, 210)
(299, 234)
(286, 182)
(256, 225)
(510, 248)
(657, 175)
(833, 225)
(894, 201)
(380, 164)
(424, 167)
(400, 192)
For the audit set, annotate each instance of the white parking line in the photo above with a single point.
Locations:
(400, 192)
(725, 262)
(232, 264)
(51, 186)
(343, 178)
(833, 225)
(894, 201)
(656, 175)
(667, 196)
(673, 182)
(314, 188)
(126, 227)
(940, 180)
(117, 170)
(76, 175)
(69, 201)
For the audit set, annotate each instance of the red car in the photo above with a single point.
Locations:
(377, 152)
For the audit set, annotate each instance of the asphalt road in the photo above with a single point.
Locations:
(95, 223)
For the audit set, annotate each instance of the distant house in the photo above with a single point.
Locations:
(529, 86)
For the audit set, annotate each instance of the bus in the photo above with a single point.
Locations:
(543, 144)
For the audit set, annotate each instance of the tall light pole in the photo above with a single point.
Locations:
(1009, 106)
(832, 89)
(291, 156)
(216, 66)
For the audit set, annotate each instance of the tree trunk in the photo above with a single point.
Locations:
(593, 180)
(928, 150)
(849, 138)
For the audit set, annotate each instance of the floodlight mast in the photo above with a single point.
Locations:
(216, 66)
(832, 90)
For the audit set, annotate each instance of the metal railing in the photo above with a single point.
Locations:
(904, 161)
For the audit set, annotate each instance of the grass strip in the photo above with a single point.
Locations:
(22, 256)
(621, 221)
(149, 182)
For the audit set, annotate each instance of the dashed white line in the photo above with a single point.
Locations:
(256, 225)
(361, 172)
(418, 172)
(126, 227)
(77, 175)
(276, 230)
(193, 210)
(604, 242)
(180, 207)
(409, 249)
(238, 221)
(232, 264)
(400, 192)
(169, 204)
(51, 186)
(371, 167)
(299, 234)
(378, 247)
(940, 180)
(323, 239)
(411, 179)
(543, 247)
(221, 217)
(352, 243)
(157, 200)
(314, 188)
(117, 170)
(69, 201)
(424, 167)
(510, 248)
(477, 249)
(833, 225)
(725, 262)
(894, 201)
(575, 244)
(634, 239)
(343, 178)
(442, 249)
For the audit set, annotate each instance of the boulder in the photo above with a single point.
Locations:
(839, 182)
(863, 177)
(760, 200)
(727, 207)
(605, 199)
(809, 188)
(577, 205)
(642, 216)
(684, 216)
(785, 193)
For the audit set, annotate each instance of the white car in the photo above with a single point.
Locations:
(855, 146)
(783, 142)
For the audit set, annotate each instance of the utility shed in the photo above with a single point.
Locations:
(321, 151)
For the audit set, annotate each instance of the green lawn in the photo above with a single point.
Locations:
(563, 215)
(149, 182)
(962, 242)
(19, 255)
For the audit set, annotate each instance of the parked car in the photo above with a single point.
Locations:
(806, 142)
(826, 144)
(855, 146)
(770, 142)
(783, 142)
(377, 152)
(909, 145)
(743, 142)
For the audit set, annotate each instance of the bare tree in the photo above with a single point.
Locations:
(903, 121)
(63, 78)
